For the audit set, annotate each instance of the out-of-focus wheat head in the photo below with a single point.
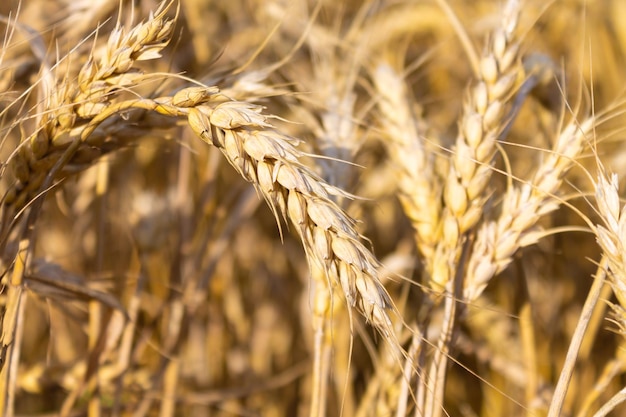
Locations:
(482, 121)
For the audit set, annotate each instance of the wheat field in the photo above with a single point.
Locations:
(356, 208)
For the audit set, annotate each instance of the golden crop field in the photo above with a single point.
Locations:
(311, 208)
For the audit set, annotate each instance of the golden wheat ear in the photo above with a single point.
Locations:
(268, 159)
(65, 139)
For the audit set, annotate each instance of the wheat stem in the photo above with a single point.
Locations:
(577, 338)
(12, 330)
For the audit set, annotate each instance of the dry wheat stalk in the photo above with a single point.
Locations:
(268, 158)
(65, 120)
(522, 207)
(483, 118)
(336, 137)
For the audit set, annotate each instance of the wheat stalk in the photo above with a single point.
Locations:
(268, 159)
(464, 190)
(67, 117)
(336, 137)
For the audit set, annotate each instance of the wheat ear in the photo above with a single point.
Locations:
(268, 159)
(484, 113)
(611, 237)
(71, 107)
(522, 207)
(464, 191)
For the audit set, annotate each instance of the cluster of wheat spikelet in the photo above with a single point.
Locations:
(311, 208)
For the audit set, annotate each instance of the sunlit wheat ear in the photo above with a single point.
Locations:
(268, 159)
(522, 207)
(484, 116)
(611, 236)
(71, 105)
